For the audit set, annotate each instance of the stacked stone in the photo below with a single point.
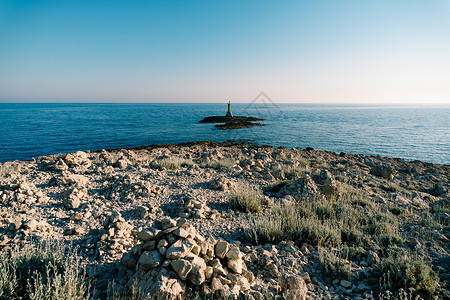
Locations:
(175, 260)
(303, 188)
(221, 183)
(22, 192)
(131, 188)
(307, 188)
(195, 207)
(109, 242)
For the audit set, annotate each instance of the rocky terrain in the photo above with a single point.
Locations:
(227, 220)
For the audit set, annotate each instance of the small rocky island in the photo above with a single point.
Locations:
(232, 122)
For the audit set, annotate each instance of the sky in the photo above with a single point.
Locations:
(317, 51)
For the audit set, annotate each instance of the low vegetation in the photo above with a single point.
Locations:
(6, 170)
(172, 163)
(351, 220)
(333, 265)
(246, 199)
(220, 163)
(42, 270)
(403, 274)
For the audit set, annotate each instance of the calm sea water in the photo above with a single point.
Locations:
(410, 132)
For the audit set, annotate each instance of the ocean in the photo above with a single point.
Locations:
(412, 132)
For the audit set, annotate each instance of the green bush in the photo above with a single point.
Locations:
(44, 270)
(406, 273)
(246, 199)
(333, 266)
(349, 219)
(6, 170)
(172, 163)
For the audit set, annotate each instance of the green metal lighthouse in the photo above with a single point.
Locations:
(229, 114)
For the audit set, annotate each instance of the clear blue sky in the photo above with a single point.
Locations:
(212, 51)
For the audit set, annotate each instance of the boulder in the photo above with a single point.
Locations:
(293, 285)
(150, 260)
(197, 274)
(148, 234)
(163, 288)
(327, 183)
(385, 172)
(221, 249)
(177, 250)
(182, 267)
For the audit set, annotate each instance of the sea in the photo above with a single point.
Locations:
(412, 132)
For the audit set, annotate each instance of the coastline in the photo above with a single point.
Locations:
(103, 201)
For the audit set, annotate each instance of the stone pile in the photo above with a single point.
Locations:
(326, 182)
(130, 188)
(173, 260)
(109, 242)
(194, 207)
(221, 183)
(22, 192)
(309, 188)
(78, 162)
(302, 188)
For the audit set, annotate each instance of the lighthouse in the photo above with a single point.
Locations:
(229, 114)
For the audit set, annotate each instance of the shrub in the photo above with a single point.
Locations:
(333, 266)
(44, 270)
(6, 170)
(246, 199)
(350, 219)
(221, 163)
(406, 273)
(172, 163)
(289, 222)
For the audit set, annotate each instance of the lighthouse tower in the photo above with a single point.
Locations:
(229, 114)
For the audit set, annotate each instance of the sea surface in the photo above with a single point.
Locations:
(412, 132)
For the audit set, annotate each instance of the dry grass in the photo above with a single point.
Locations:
(246, 199)
(6, 170)
(172, 163)
(44, 270)
(351, 219)
(220, 163)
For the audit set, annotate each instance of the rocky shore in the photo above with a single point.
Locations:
(210, 220)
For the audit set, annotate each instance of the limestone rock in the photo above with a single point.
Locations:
(221, 183)
(163, 288)
(221, 249)
(73, 197)
(182, 267)
(150, 260)
(197, 274)
(177, 250)
(293, 285)
(385, 172)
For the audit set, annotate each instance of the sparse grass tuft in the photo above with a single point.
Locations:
(6, 170)
(44, 270)
(246, 199)
(172, 163)
(221, 163)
